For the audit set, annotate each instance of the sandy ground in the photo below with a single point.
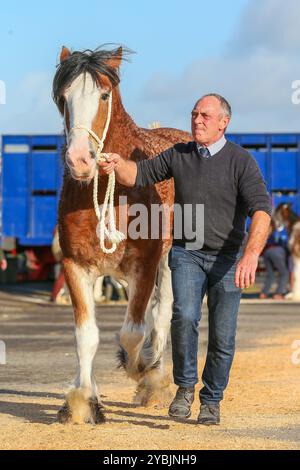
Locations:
(261, 409)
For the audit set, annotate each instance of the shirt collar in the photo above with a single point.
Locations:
(215, 147)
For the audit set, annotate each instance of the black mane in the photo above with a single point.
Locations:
(92, 62)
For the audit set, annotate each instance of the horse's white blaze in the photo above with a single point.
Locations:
(83, 100)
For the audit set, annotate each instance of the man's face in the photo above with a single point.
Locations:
(208, 121)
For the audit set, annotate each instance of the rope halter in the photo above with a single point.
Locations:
(113, 235)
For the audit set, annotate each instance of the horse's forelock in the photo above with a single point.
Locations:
(96, 63)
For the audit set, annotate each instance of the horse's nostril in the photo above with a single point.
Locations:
(92, 154)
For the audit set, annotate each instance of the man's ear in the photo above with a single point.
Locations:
(65, 54)
(224, 122)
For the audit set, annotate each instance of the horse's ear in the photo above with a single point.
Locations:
(65, 53)
(117, 59)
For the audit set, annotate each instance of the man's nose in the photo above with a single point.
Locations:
(198, 119)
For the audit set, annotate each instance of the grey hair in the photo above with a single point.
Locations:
(224, 103)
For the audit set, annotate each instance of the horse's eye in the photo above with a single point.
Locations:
(105, 96)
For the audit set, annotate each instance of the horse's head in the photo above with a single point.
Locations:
(81, 90)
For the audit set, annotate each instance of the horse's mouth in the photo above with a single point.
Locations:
(82, 178)
(85, 177)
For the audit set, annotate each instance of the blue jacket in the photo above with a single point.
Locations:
(279, 237)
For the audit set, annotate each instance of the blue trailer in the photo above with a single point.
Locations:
(278, 156)
(31, 179)
(30, 182)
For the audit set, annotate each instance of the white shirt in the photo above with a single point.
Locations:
(215, 147)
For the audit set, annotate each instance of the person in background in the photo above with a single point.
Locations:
(114, 288)
(3, 261)
(276, 258)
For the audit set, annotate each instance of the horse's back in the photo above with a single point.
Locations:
(159, 139)
(171, 135)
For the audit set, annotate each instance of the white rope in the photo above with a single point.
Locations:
(113, 235)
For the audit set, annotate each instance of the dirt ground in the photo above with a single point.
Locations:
(261, 409)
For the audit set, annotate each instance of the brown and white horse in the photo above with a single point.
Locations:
(81, 88)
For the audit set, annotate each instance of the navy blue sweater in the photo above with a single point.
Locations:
(228, 185)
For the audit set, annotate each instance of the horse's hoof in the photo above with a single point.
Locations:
(97, 414)
(154, 390)
(79, 409)
(64, 415)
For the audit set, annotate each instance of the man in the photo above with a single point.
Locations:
(226, 180)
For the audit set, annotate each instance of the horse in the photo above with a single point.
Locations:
(86, 92)
(284, 215)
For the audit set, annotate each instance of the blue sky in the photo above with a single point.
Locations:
(245, 49)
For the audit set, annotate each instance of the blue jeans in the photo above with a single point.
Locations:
(275, 257)
(194, 274)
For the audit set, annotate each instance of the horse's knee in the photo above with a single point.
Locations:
(132, 336)
(131, 340)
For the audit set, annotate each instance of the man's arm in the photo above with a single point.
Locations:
(143, 173)
(253, 191)
(258, 234)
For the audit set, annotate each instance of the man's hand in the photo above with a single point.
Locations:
(245, 271)
(109, 165)
(126, 170)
